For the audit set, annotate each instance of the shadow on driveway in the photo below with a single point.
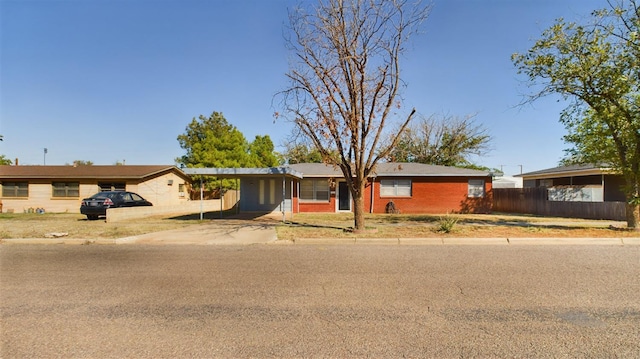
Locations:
(236, 230)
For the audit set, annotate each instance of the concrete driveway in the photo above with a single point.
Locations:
(219, 231)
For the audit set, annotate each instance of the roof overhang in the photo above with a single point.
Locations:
(395, 174)
(244, 172)
(92, 172)
(572, 173)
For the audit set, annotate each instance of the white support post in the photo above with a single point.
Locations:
(284, 195)
(201, 199)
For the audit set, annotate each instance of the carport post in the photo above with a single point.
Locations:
(284, 195)
(221, 197)
(201, 198)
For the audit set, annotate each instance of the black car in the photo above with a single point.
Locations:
(96, 205)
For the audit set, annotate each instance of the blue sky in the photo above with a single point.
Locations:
(108, 81)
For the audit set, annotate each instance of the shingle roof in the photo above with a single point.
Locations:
(316, 170)
(93, 171)
(244, 172)
(390, 169)
(420, 169)
(568, 170)
(143, 171)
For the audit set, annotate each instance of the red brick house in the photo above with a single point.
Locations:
(412, 187)
(316, 187)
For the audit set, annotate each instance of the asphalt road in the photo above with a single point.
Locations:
(290, 301)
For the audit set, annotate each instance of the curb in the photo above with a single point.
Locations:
(569, 241)
(631, 241)
(70, 241)
(522, 241)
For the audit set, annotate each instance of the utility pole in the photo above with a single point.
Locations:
(502, 167)
(45, 157)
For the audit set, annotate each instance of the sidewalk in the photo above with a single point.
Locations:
(248, 235)
(472, 241)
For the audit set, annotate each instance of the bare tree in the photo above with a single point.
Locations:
(345, 81)
(443, 140)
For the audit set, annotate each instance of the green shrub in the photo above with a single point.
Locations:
(447, 223)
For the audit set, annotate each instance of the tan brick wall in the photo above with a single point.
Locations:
(229, 200)
(159, 192)
(41, 196)
(191, 207)
(156, 190)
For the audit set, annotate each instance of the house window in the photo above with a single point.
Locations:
(15, 189)
(66, 189)
(546, 183)
(181, 189)
(314, 190)
(476, 188)
(395, 188)
(112, 186)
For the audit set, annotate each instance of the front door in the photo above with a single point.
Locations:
(344, 197)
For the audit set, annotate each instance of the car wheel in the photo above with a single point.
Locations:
(92, 217)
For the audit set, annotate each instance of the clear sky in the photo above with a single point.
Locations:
(107, 81)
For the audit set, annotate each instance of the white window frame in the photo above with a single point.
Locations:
(475, 188)
(396, 188)
(318, 188)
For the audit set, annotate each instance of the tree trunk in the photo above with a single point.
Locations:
(633, 216)
(358, 209)
(633, 200)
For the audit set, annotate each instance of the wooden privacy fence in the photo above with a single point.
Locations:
(535, 201)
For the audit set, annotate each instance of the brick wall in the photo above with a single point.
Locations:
(437, 195)
(433, 195)
(161, 191)
(318, 207)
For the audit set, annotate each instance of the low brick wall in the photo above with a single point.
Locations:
(120, 214)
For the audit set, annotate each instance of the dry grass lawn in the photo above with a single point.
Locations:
(31, 225)
(425, 226)
(20, 225)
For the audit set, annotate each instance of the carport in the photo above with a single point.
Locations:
(269, 190)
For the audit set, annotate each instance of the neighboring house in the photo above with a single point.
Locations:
(507, 182)
(315, 187)
(578, 183)
(578, 191)
(61, 188)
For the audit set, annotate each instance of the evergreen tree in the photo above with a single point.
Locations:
(213, 142)
(262, 152)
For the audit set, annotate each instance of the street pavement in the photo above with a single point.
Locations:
(319, 301)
